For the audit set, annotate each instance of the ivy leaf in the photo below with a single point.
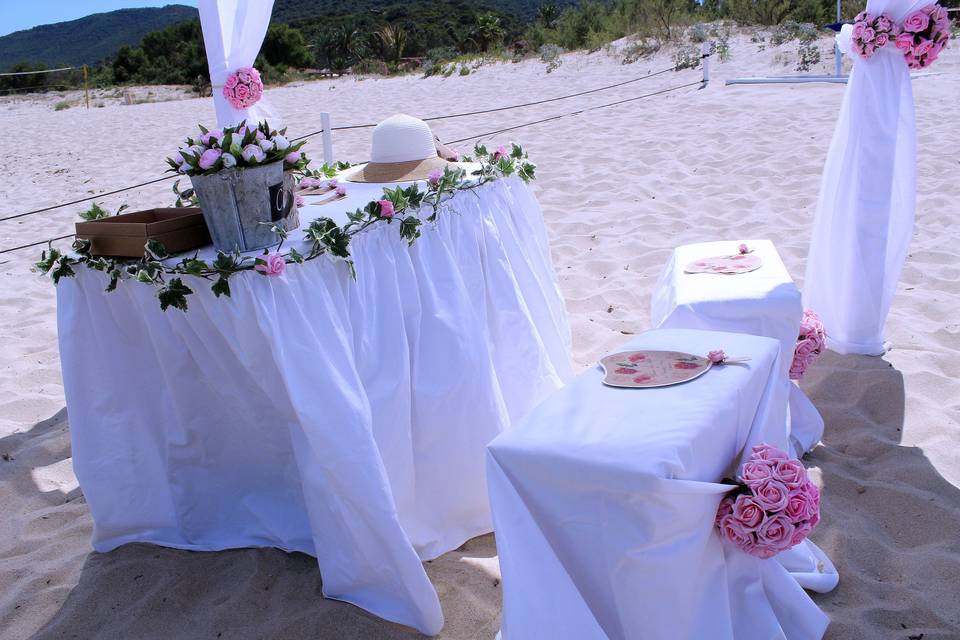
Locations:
(155, 249)
(114, 279)
(95, 212)
(221, 287)
(174, 294)
(225, 263)
(410, 229)
(296, 256)
(62, 269)
(194, 266)
(47, 260)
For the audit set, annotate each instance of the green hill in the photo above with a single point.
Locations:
(90, 39)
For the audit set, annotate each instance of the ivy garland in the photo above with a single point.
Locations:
(323, 235)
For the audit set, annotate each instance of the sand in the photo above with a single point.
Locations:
(619, 187)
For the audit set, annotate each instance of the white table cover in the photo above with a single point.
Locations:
(604, 502)
(310, 412)
(765, 302)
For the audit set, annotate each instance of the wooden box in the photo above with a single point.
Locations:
(178, 229)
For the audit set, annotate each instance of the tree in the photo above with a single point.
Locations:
(342, 46)
(487, 31)
(284, 46)
(394, 40)
(548, 14)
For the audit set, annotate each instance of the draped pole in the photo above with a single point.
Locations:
(865, 211)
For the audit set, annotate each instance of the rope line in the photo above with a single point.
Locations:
(36, 87)
(28, 73)
(482, 135)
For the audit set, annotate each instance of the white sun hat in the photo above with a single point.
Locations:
(403, 148)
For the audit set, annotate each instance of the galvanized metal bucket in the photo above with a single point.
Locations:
(241, 205)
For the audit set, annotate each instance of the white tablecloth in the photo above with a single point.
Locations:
(604, 502)
(765, 302)
(313, 413)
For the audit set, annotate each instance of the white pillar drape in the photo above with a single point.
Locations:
(233, 32)
(865, 212)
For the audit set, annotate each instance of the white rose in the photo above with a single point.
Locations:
(252, 153)
(281, 142)
(228, 161)
(266, 145)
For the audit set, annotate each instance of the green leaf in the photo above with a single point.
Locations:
(62, 269)
(115, 276)
(221, 287)
(193, 266)
(296, 256)
(174, 294)
(155, 249)
(410, 229)
(95, 212)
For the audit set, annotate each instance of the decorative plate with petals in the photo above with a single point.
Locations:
(729, 265)
(646, 369)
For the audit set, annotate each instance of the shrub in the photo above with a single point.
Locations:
(551, 55)
(60, 106)
(808, 55)
(686, 57)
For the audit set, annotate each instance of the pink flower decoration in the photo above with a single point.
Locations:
(768, 452)
(271, 264)
(791, 473)
(341, 190)
(735, 531)
(299, 201)
(743, 249)
(776, 533)
(772, 495)
(725, 509)
(293, 157)
(916, 22)
(434, 177)
(624, 371)
(501, 152)
(748, 511)
(717, 357)
(209, 158)
(386, 208)
(756, 472)
(243, 88)
(810, 344)
(904, 41)
(685, 365)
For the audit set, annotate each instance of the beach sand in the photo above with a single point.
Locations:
(620, 187)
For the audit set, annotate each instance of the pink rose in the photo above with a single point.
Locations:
(252, 154)
(776, 532)
(501, 152)
(293, 157)
(791, 473)
(271, 264)
(748, 511)
(434, 177)
(800, 507)
(858, 30)
(341, 191)
(800, 533)
(904, 41)
(386, 208)
(916, 22)
(725, 508)
(771, 495)
(624, 371)
(743, 249)
(209, 158)
(768, 452)
(922, 48)
(868, 34)
(755, 472)
(881, 40)
(231, 81)
(299, 201)
(717, 357)
(884, 23)
(242, 92)
(734, 531)
(243, 75)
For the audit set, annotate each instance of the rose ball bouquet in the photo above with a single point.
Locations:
(810, 343)
(243, 88)
(871, 33)
(774, 507)
(924, 35)
(237, 147)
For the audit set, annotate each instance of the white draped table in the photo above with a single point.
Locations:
(310, 412)
(604, 502)
(765, 302)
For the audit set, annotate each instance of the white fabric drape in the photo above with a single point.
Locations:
(233, 32)
(311, 412)
(865, 211)
(604, 503)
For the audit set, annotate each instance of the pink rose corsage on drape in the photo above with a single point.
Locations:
(243, 88)
(920, 37)
(774, 507)
(810, 343)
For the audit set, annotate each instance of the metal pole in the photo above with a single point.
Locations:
(327, 138)
(837, 56)
(86, 86)
(706, 49)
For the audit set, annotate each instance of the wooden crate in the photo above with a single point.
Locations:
(177, 229)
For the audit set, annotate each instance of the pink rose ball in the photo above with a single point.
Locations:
(386, 208)
(772, 495)
(271, 264)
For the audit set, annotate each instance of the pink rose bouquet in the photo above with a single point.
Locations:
(810, 343)
(925, 34)
(237, 147)
(774, 507)
(871, 33)
(243, 88)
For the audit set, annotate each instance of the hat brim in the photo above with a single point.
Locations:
(398, 171)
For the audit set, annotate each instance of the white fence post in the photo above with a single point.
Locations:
(327, 137)
(706, 49)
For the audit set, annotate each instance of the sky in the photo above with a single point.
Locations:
(16, 15)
